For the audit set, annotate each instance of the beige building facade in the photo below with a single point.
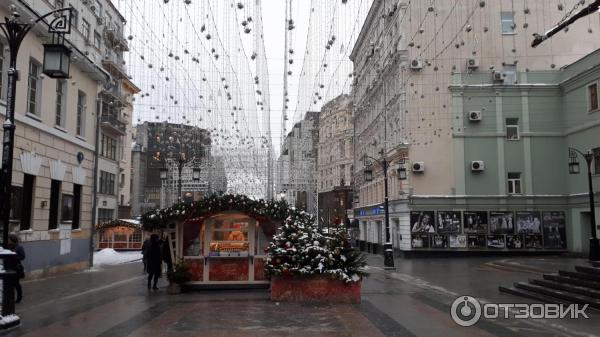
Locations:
(55, 141)
(335, 157)
(404, 60)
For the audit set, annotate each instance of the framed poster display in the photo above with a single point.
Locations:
(555, 236)
(448, 222)
(475, 222)
(422, 222)
(529, 222)
(439, 241)
(476, 241)
(533, 241)
(419, 241)
(514, 242)
(496, 241)
(501, 223)
(457, 241)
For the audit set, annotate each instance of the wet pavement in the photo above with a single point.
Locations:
(414, 300)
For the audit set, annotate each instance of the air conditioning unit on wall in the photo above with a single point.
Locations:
(497, 76)
(475, 116)
(472, 64)
(477, 166)
(418, 167)
(416, 64)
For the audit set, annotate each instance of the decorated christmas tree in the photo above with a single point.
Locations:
(302, 248)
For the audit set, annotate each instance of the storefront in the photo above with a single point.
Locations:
(228, 247)
(120, 234)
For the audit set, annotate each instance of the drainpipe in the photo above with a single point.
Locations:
(95, 184)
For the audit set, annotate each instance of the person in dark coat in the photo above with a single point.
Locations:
(166, 253)
(154, 260)
(145, 247)
(13, 244)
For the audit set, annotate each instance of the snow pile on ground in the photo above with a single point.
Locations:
(108, 256)
(8, 319)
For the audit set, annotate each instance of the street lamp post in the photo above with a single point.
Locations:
(180, 164)
(388, 250)
(574, 169)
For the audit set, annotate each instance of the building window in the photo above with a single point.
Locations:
(2, 70)
(81, 98)
(85, 29)
(16, 204)
(60, 101)
(596, 163)
(74, 17)
(593, 97)
(97, 8)
(512, 129)
(108, 147)
(97, 40)
(105, 215)
(514, 183)
(76, 206)
(33, 87)
(54, 202)
(508, 22)
(66, 213)
(107, 183)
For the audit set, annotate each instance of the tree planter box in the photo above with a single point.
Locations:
(317, 289)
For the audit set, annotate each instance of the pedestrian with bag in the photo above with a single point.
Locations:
(154, 258)
(13, 244)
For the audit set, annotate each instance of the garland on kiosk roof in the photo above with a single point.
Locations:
(277, 210)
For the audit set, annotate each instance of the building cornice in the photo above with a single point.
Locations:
(365, 30)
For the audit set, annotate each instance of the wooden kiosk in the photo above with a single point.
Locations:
(222, 239)
(120, 234)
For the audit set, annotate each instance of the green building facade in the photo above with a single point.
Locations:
(511, 139)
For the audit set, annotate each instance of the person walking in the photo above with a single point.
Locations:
(13, 244)
(166, 253)
(145, 247)
(154, 260)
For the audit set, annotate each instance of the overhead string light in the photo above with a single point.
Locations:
(190, 72)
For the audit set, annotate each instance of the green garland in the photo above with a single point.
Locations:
(273, 210)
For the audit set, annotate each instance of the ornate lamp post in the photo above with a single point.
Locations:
(574, 169)
(388, 250)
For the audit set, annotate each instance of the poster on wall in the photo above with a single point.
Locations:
(475, 222)
(514, 242)
(439, 241)
(496, 241)
(419, 241)
(422, 222)
(448, 222)
(533, 241)
(476, 241)
(458, 241)
(501, 223)
(554, 230)
(529, 222)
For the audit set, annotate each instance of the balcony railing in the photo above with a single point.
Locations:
(113, 123)
(114, 64)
